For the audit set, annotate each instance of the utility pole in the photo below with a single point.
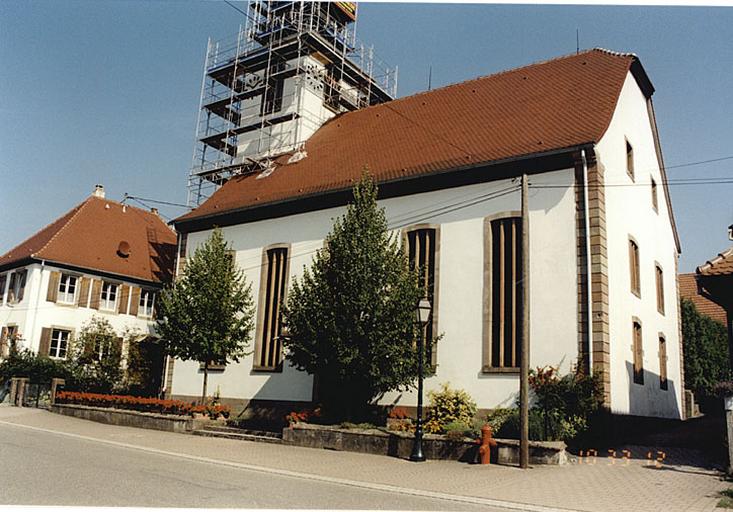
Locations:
(524, 346)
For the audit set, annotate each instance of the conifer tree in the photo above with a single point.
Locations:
(207, 315)
(351, 317)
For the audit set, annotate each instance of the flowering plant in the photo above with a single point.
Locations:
(303, 415)
(398, 413)
(142, 404)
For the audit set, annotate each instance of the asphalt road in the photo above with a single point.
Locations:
(42, 468)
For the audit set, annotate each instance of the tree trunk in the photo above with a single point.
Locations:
(206, 380)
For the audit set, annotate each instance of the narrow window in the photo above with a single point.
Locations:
(269, 353)
(59, 344)
(67, 289)
(147, 300)
(634, 268)
(422, 252)
(638, 354)
(108, 297)
(8, 340)
(3, 281)
(660, 288)
(663, 362)
(655, 201)
(629, 160)
(505, 294)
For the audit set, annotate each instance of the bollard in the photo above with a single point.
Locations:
(487, 442)
(55, 385)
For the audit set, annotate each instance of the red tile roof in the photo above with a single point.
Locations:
(89, 236)
(548, 106)
(722, 264)
(689, 290)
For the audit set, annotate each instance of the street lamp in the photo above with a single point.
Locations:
(423, 314)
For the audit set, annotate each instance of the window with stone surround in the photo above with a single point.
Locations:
(659, 273)
(273, 285)
(663, 384)
(422, 245)
(629, 160)
(638, 349)
(67, 289)
(634, 269)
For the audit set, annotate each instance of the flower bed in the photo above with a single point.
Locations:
(141, 404)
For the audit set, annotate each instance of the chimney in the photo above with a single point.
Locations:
(154, 211)
(730, 232)
(98, 191)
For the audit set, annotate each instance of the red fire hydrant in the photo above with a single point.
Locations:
(487, 443)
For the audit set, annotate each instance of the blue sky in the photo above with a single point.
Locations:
(107, 92)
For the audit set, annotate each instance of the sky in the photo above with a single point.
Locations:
(108, 92)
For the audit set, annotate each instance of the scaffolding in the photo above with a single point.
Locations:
(291, 67)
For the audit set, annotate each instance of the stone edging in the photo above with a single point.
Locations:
(399, 444)
(128, 418)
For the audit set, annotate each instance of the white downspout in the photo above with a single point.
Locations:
(589, 291)
(38, 302)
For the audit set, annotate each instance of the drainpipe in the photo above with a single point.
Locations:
(38, 302)
(589, 291)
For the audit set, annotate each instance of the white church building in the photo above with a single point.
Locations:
(603, 244)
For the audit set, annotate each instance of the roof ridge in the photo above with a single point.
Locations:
(720, 257)
(66, 224)
(490, 75)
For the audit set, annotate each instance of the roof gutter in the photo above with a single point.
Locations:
(208, 221)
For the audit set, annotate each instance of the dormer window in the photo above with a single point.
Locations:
(67, 289)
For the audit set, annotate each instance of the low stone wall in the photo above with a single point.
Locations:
(399, 444)
(126, 418)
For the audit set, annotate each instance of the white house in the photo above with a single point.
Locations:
(603, 246)
(101, 258)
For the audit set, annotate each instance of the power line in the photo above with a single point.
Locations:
(234, 7)
(156, 201)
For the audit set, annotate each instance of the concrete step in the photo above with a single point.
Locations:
(238, 436)
(235, 430)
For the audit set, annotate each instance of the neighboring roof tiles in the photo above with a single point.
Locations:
(89, 236)
(689, 290)
(721, 265)
(548, 106)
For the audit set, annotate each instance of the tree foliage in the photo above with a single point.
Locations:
(705, 351)
(207, 314)
(94, 358)
(351, 316)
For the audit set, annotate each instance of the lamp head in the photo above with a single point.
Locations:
(423, 311)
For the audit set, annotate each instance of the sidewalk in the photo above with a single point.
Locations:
(602, 486)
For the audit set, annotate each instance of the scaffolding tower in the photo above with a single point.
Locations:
(292, 66)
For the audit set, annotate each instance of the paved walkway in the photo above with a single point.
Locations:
(600, 485)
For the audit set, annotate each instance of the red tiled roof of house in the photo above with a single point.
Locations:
(689, 290)
(89, 236)
(722, 264)
(547, 106)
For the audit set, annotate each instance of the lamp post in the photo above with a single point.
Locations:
(423, 314)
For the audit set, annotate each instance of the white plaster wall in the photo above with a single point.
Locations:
(35, 312)
(553, 287)
(629, 212)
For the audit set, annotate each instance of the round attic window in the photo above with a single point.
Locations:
(123, 250)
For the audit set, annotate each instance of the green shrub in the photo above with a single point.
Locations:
(448, 406)
(24, 363)
(509, 428)
(496, 418)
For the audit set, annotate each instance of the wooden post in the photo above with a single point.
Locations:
(524, 347)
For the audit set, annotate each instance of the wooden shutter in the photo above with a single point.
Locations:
(4, 342)
(53, 286)
(82, 297)
(638, 354)
(122, 299)
(45, 345)
(96, 294)
(135, 304)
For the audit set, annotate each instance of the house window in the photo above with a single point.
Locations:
(634, 268)
(422, 251)
(268, 353)
(109, 296)
(272, 99)
(663, 362)
(7, 339)
(660, 288)
(147, 300)
(3, 281)
(655, 201)
(67, 289)
(629, 160)
(59, 344)
(16, 288)
(638, 354)
(504, 294)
